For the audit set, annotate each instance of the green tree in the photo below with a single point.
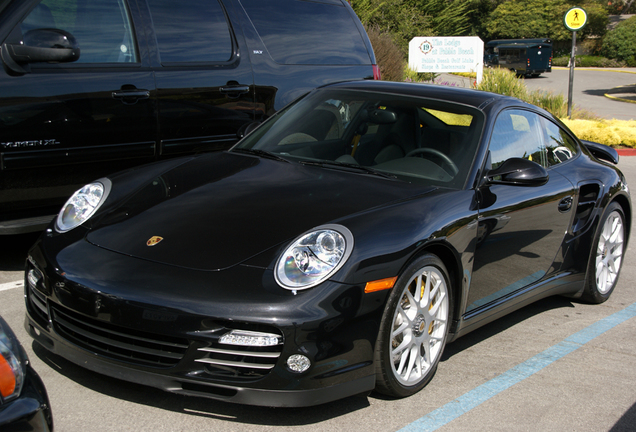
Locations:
(542, 18)
(398, 18)
(480, 16)
(619, 43)
(448, 17)
(406, 19)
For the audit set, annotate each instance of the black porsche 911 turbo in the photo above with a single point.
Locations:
(336, 249)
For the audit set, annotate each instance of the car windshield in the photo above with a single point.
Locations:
(412, 139)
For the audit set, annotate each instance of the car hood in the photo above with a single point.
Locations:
(221, 209)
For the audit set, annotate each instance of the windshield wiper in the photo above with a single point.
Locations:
(259, 152)
(350, 167)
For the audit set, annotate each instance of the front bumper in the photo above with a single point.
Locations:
(193, 387)
(150, 333)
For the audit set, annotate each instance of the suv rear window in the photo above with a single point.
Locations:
(294, 31)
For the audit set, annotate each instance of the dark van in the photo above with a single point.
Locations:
(89, 87)
(527, 57)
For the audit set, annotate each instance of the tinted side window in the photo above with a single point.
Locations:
(192, 31)
(517, 133)
(560, 146)
(102, 28)
(304, 32)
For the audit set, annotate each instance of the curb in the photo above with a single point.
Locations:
(620, 99)
(617, 70)
(623, 93)
(626, 152)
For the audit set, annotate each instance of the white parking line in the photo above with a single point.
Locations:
(11, 285)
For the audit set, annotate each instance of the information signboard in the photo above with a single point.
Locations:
(447, 54)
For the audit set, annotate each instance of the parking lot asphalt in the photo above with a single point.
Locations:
(608, 93)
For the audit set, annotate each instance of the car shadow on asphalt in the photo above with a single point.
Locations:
(597, 92)
(492, 329)
(14, 251)
(504, 323)
(626, 422)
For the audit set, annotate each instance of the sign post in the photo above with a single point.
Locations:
(574, 20)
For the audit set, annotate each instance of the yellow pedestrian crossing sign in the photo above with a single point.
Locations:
(575, 19)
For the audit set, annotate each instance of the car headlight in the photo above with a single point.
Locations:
(313, 257)
(11, 368)
(82, 205)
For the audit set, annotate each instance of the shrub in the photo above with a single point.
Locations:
(411, 76)
(555, 104)
(608, 132)
(619, 42)
(589, 61)
(503, 81)
(388, 55)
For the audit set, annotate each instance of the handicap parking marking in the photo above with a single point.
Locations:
(472, 399)
(11, 285)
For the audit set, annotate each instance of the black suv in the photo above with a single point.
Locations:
(89, 87)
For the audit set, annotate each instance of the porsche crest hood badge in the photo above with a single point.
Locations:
(154, 240)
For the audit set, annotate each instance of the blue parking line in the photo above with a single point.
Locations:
(452, 410)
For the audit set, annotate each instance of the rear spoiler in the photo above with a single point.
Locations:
(602, 151)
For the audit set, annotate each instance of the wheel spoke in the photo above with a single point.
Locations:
(435, 307)
(420, 288)
(403, 358)
(425, 289)
(408, 370)
(398, 331)
(413, 305)
(405, 344)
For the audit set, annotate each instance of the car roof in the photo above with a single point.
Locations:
(475, 98)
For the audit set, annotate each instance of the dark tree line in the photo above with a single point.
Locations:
(488, 19)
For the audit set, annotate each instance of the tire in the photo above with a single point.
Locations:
(606, 256)
(414, 328)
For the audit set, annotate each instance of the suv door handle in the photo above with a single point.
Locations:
(131, 96)
(234, 90)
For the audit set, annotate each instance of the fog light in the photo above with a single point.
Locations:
(249, 338)
(298, 363)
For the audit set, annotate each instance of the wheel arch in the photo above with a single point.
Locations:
(452, 262)
(625, 205)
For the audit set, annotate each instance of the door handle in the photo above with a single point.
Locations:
(565, 204)
(234, 90)
(131, 96)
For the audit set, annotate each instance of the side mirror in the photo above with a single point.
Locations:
(518, 172)
(40, 46)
